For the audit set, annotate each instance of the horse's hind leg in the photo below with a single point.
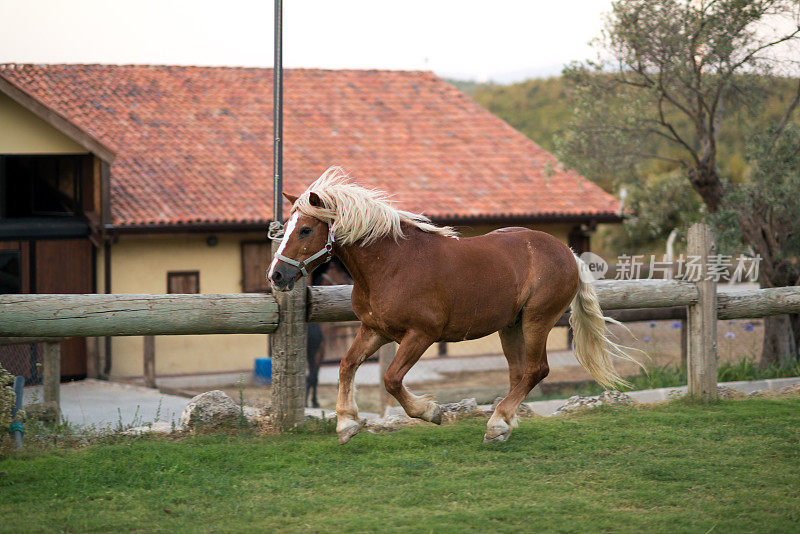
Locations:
(366, 343)
(534, 332)
(513, 343)
(408, 353)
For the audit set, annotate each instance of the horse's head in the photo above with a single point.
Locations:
(306, 245)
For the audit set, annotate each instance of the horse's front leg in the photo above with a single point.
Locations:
(366, 343)
(409, 352)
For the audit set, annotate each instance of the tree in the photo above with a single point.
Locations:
(658, 205)
(669, 71)
(765, 204)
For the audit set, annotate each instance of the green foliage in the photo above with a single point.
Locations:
(769, 196)
(670, 375)
(537, 108)
(545, 111)
(747, 369)
(664, 464)
(7, 399)
(675, 85)
(658, 204)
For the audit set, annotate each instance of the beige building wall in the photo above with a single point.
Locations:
(22, 132)
(139, 264)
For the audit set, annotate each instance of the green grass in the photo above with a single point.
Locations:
(670, 375)
(732, 466)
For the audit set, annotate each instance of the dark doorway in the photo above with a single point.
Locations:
(40, 186)
(10, 271)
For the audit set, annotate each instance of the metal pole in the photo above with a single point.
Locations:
(277, 106)
(16, 426)
(288, 342)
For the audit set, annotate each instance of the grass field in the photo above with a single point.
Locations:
(733, 466)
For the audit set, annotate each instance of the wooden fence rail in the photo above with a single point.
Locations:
(332, 303)
(136, 315)
(55, 316)
(59, 316)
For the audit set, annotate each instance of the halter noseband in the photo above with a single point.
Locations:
(327, 251)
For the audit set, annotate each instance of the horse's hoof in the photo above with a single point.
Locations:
(433, 414)
(497, 434)
(348, 432)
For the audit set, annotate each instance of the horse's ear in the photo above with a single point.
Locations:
(314, 199)
(291, 198)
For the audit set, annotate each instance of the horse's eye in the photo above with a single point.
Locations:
(305, 231)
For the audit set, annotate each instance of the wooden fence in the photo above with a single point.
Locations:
(285, 315)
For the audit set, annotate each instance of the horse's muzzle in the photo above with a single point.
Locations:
(284, 276)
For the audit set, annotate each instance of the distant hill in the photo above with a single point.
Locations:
(541, 109)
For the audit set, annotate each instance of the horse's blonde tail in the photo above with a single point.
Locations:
(590, 341)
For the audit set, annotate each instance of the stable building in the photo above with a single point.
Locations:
(157, 179)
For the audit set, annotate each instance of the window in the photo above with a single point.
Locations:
(10, 272)
(183, 282)
(40, 186)
(256, 256)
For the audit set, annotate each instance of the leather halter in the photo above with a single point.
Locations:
(327, 251)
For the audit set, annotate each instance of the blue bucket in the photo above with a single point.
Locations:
(263, 370)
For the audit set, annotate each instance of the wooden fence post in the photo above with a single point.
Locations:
(702, 316)
(150, 361)
(385, 356)
(51, 360)
(288, 345)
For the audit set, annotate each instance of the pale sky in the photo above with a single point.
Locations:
(501, 40)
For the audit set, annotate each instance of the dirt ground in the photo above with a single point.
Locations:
(660, 341)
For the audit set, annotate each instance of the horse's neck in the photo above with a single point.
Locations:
(365, 264)
(361, 262)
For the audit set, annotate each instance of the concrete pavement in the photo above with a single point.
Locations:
(106, 404)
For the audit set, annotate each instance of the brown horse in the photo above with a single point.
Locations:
(417, 284)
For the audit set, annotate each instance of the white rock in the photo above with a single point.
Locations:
(210, 409)
(393, 410)
(252, 414)
(387, 423)
(613, 396)
(158, 427)
(318, 413)
(789, 390)
(578, 402)
(462, 406)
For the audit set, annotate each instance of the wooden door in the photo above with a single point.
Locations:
(65, 266)
(22, 250)
(15, 278)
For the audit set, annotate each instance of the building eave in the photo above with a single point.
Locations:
(56, 120)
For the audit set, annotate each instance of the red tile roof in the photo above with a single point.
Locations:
(194, 144)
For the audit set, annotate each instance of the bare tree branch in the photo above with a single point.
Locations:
(735, 67)
(679, 161)
(786, 116)
(678, 138)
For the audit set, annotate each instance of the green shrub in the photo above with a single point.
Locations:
(747, 369)
(7, 398)
(671, 375)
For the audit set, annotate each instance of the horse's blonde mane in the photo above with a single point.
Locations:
(356, 213)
